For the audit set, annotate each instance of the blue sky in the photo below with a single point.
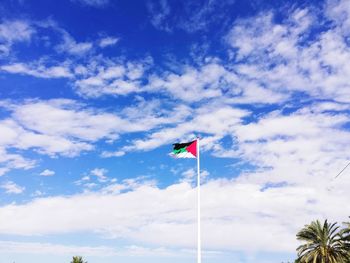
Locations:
(94, 92)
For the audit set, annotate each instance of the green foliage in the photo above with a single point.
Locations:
(345, 233)
(323, 243)
(78, 259)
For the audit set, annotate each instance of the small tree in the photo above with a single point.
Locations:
(78, 259)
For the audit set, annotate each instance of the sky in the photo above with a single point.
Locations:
(93, 93)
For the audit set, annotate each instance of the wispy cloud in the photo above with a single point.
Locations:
(16, 30)
(47, 172)
(312, 144)
(277, 56)
(117, 79)
(159, 14)
(63, 127)
(107, 154)
(190, 16)
(12, 31)
(93, 3)
(108, 41)
(12, 188)
(100, 173)
(215, 121)
(212, 80)
(70, 46)
(37, 70)
(200, 16)
(339, 12)
(11, 161)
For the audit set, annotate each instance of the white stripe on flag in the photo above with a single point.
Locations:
(184, 155)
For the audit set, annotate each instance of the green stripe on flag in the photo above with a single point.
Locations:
(179, 150)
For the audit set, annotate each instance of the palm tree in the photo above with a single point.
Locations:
(78, 259)
(324, 244)
(347, 228)
(346, 236)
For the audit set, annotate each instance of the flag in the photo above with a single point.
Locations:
(185, 150)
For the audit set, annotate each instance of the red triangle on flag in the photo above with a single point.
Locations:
(192, 148)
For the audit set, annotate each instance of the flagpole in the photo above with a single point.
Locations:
(199, 259)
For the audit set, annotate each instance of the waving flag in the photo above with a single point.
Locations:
(185, 150)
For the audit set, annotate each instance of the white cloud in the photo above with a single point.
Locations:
(98, 76)
(339, 12)
(93, 75)
(193, 84)
(108, 41)
(252, 39)
(69, 119)
(54, 249)
(12, 32)
(65, 127)
(295, 147)
(190, 16)
(93, 3)
(66, 118)
(38, 70)
(50, 128)
(100, 173)
(329, 106)
(47, 143)
(88, 251)
(12, 188)
(213, 81)
(85, 178)
(47, 172)
(278, 62)
(189, 174)
(278, 57)
(16, 30)
(36, 194)
(159, 14)
(3, 170)
(167, 217)
(126, 185)
(72, 47)
(106, 154)
(111, 78)
(201, 16)
(11, 161)
(214, 120)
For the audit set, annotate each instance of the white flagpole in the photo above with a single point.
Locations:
(199, 259)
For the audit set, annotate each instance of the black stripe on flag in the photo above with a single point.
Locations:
(178, 146)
